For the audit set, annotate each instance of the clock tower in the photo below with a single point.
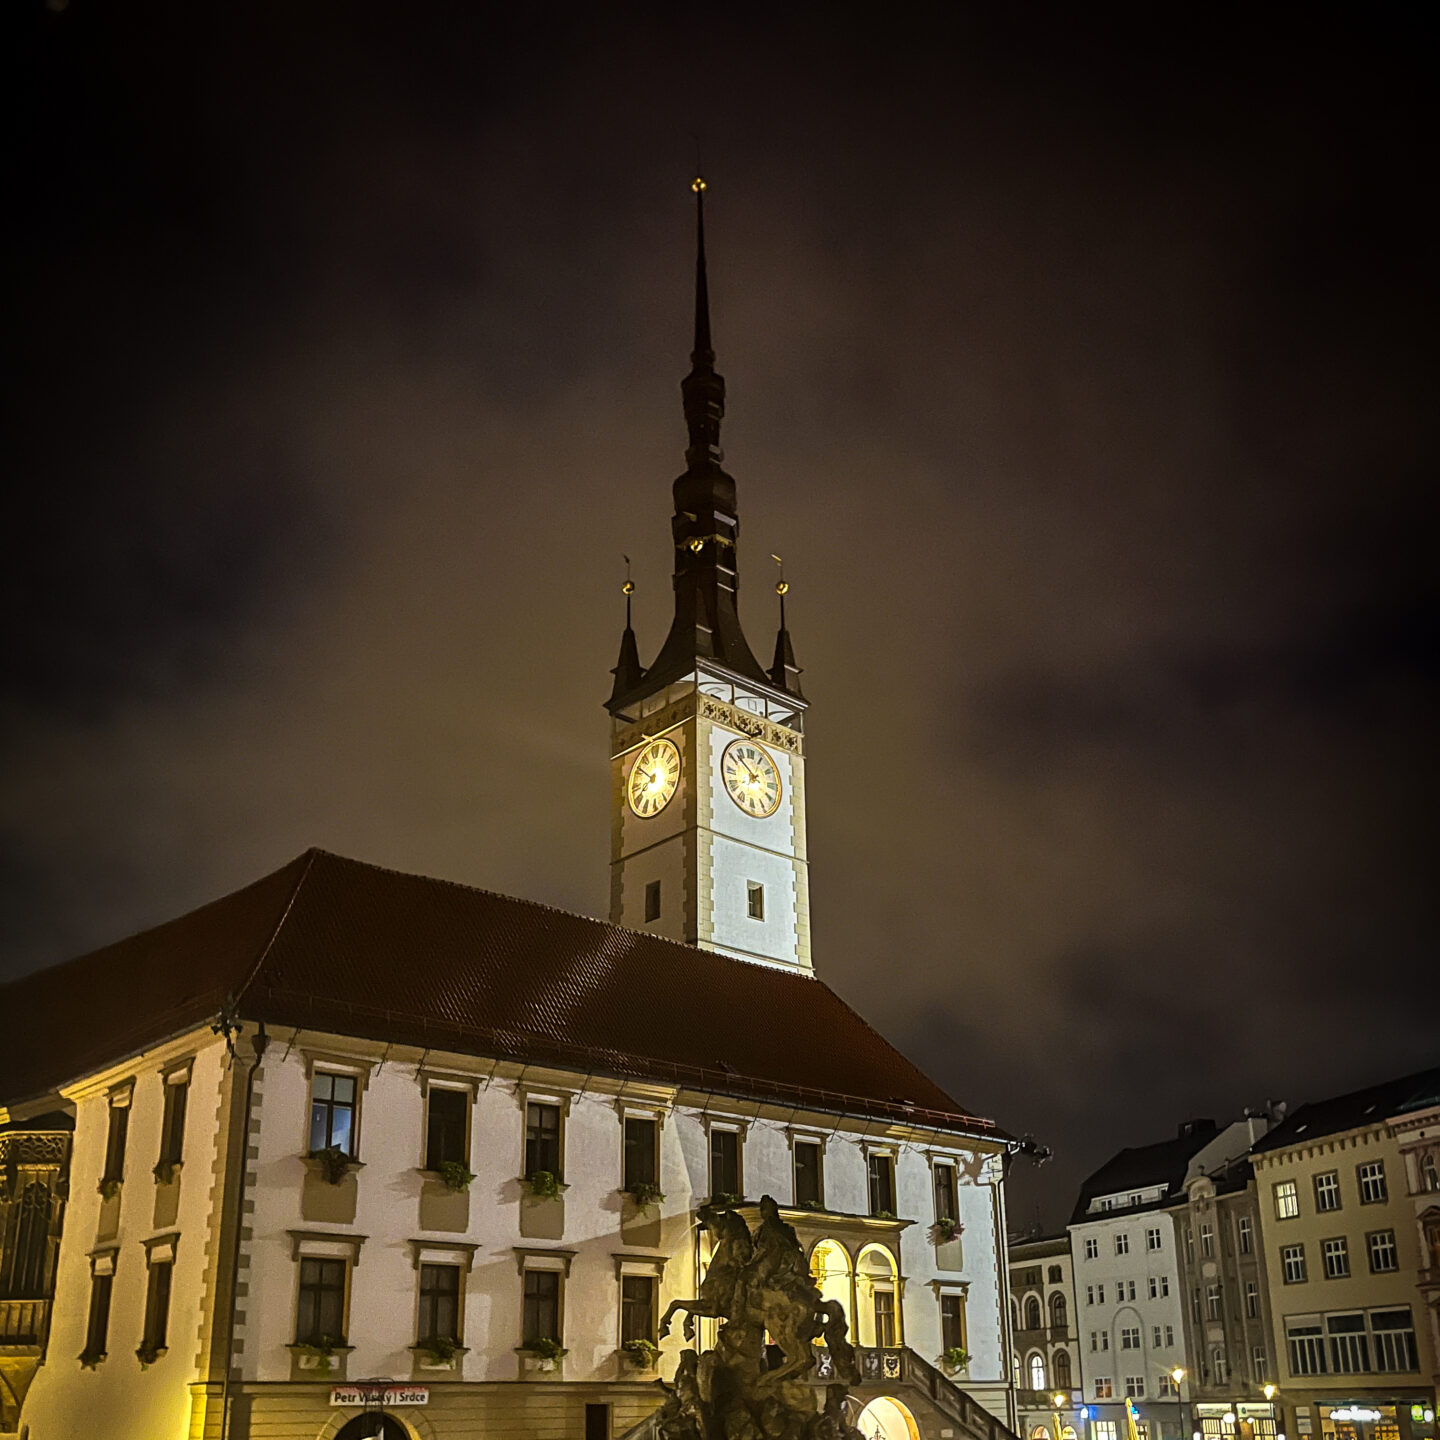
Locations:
(707, 746)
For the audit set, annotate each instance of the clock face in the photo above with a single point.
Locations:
(751, 779)
(653, 778)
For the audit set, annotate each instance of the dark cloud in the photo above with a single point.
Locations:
(1078, 367)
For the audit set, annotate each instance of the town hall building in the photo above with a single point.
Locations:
(351, 1152)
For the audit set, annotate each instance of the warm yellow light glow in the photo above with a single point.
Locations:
(1269, 1392)
(1177, 1374)
(697, 185)
(1058, 1398)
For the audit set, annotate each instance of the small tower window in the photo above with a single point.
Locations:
(652, 901)
(755, 899)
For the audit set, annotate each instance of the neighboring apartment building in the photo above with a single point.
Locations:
(1227, 1303)
(1129, 1317)
(1417, 1128)
(34, 1178)
(1049, 1382)
(1336, 1181)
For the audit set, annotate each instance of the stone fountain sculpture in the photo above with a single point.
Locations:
(746, 1388)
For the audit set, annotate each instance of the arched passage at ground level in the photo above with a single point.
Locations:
(373, 1427)
(887, 1419)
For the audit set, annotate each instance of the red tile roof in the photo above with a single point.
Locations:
(333, 944)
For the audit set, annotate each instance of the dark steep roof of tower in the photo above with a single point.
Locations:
(333, 944)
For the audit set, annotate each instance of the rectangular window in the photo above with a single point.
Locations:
(1380, 1244)
(1104, 1340)
(1094, 1340)
(1252, 1300)
(1089, 1294)
(1125, 1289)
(652, 901)
(1246, 1231)
(98, 1330)
(447, 1119)
(1212, 1302)
(332, 1112)
(1099, 1294)
(1135, 1387)
(1092, 1249)
(172, 1126)
(1155, 1336)
(1349, 1345)
(439, 1302)
(946, 1202)
(1372, 1182)
(542, 1140)
(1337, 1258)
(1104, 1391)
(1287, 1200)
(642, 1145)
(809, 1174)
(952, 1322)
(1130, 1337)
(1122, 1244)
(1292, 1263)
(1259, 1364)
(637, 1308)
(754, 900)
(1207, 1241)
(157, 1305)
(1394, 1332)
(540, 1319)
(1167, 1386)
(725, 1163)
(885, 1319)
(1169, 1335)
(882, 1184)
(320, 1315)
(1189, 1245)
(1307, 1348)
(1327, 1191)
(115, 1142)
(1103, 1429)
(1152, 1238)
(1219, 1366)
(1195, 1304)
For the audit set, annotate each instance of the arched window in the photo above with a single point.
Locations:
(1059, 1315)
(1430, 1174)
(1037, 1372)
(1062, 1370)
(1033, 1318)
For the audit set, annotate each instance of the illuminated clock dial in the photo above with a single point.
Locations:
(653, 778)
(751, 779)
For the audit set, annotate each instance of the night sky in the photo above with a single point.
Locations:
(1080, 368)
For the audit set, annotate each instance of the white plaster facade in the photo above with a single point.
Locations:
(383, 1218)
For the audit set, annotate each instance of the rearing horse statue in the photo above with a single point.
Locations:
(733, 1251)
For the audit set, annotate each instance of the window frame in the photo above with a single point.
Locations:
(433, 1332)
(1122, 1242)
(333, 1073)
(535, 1140)
(318, 1288)
(736, 1132)
(652, 902)
(1294, 1252)
(886, 1157)
(1372, 1237)
(99, 1311)
(117, 1132)
(1336, 1248)
(951, 1183)
(1364, 1183)
(755, 900)
(947, 1341)
(817, 1144)
(447, 1086)
(1286, 1195)
(629, 1181)
(1245, 1235)
(175, 1085)
(534, 1265)
(1092, 1247)
(1326, 1185)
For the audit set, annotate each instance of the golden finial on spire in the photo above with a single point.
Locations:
(782, 585)
(628, 588)
(698, 184)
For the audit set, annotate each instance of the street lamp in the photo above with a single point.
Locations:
(1177, 1375)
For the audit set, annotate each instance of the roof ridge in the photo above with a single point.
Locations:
(309, 858)
(573, 915)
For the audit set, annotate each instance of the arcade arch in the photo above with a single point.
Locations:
(877, 1298)
(885, 1418)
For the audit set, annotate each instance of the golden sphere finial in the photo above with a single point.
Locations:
(697, 545)
(628, 588)
(782, 587)
(698, 184)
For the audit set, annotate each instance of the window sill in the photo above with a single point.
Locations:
(424, 1360)
(306, 1358)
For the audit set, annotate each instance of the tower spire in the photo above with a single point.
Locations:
(628, 671)
(703, 391)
